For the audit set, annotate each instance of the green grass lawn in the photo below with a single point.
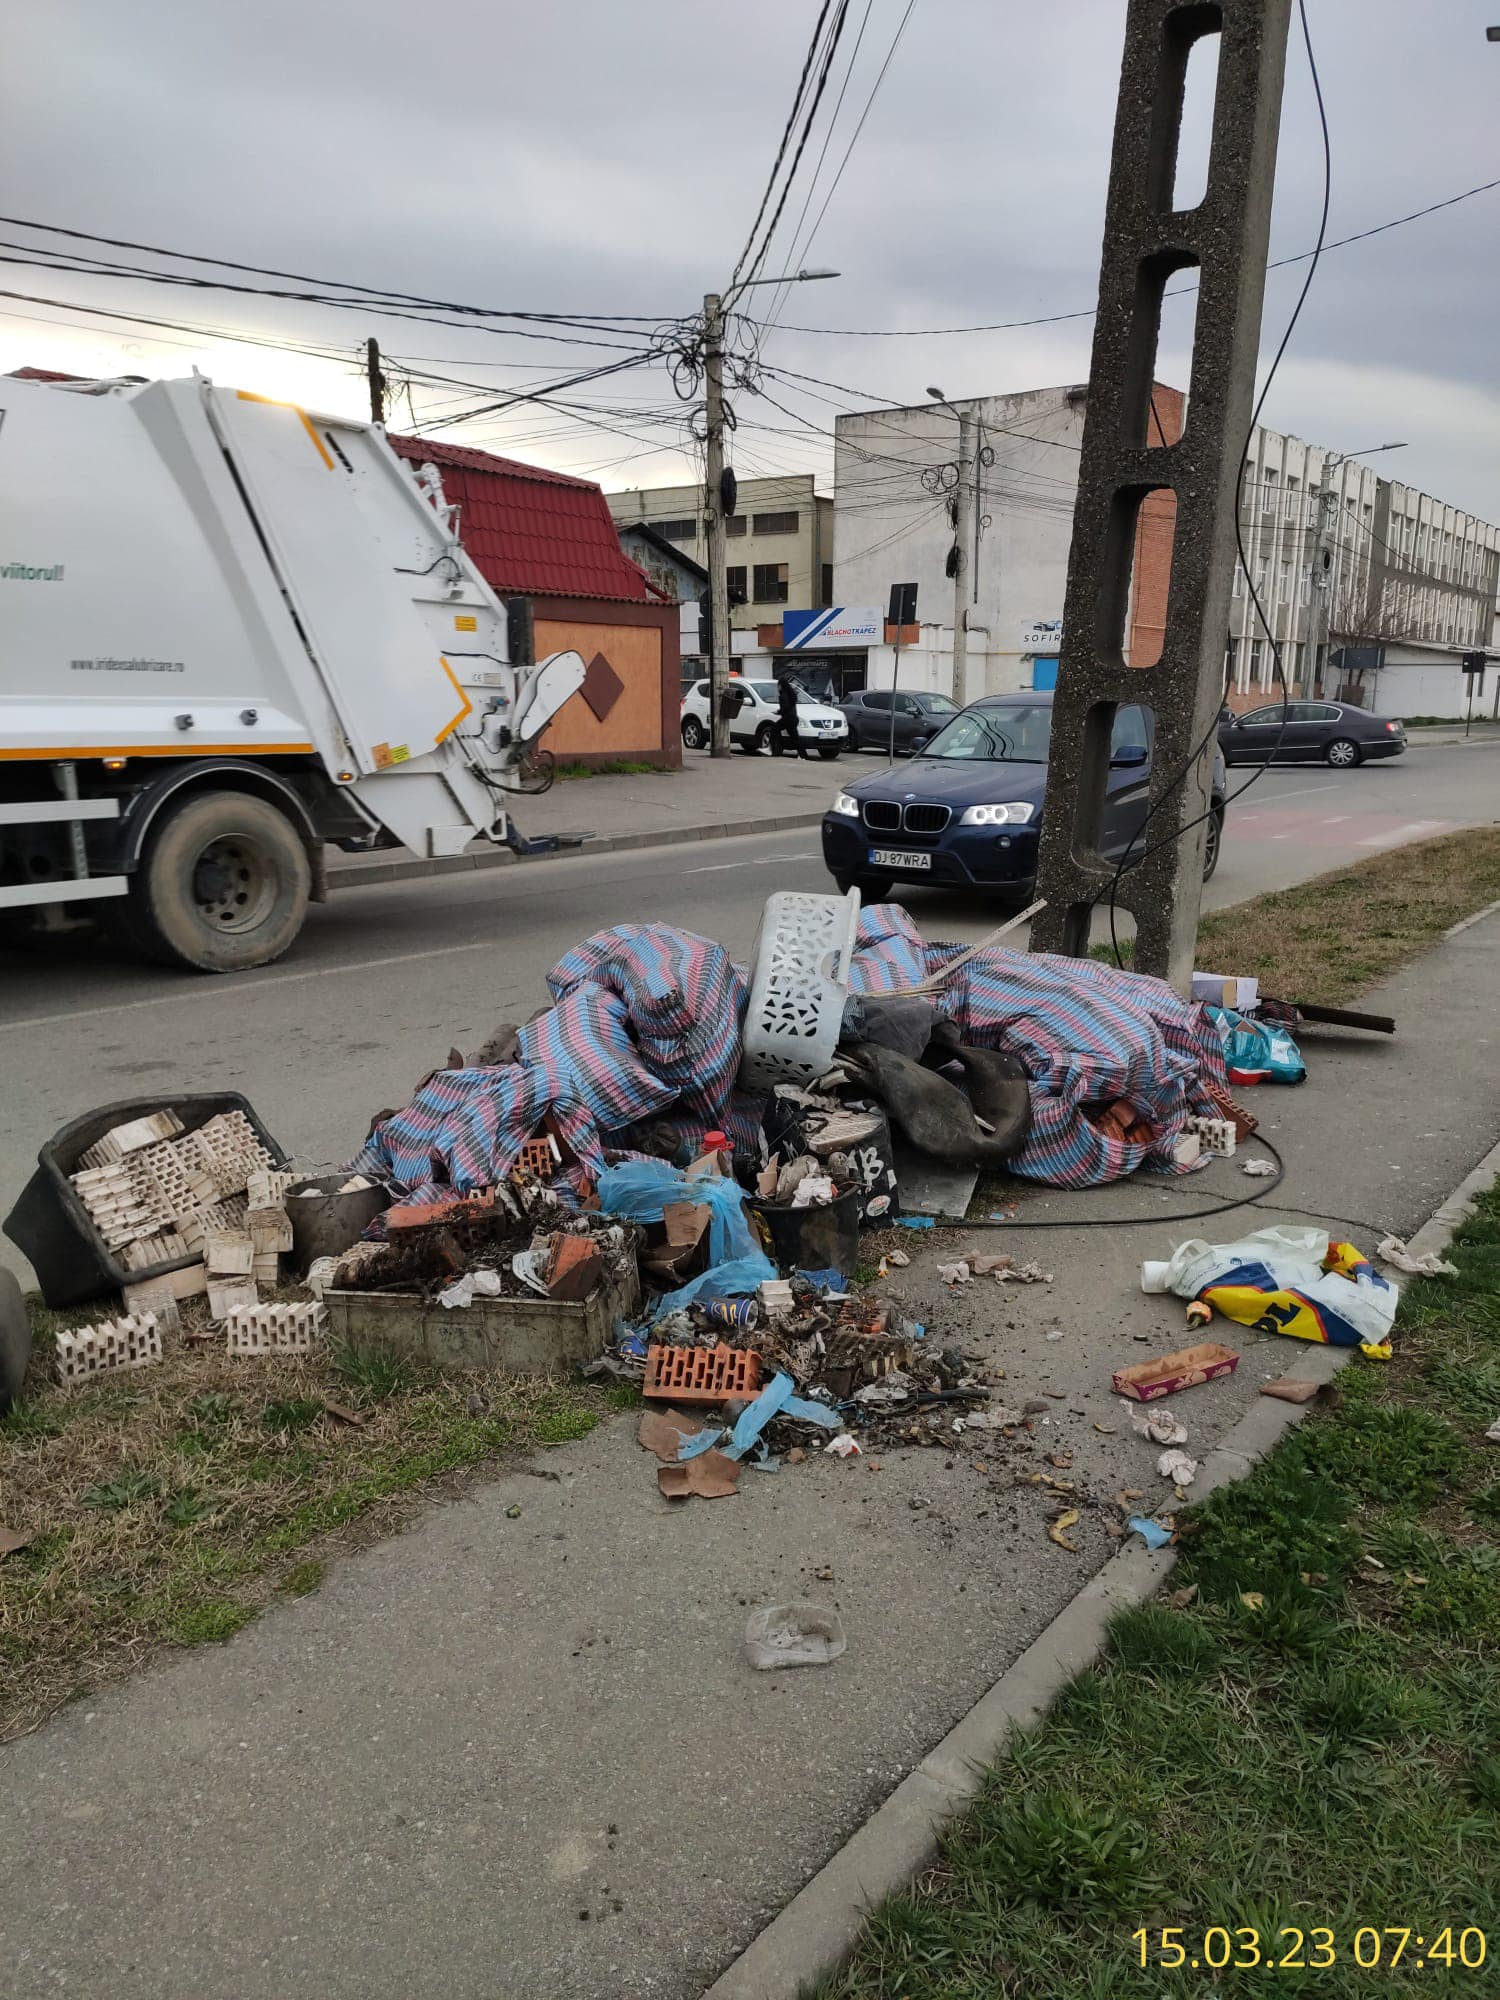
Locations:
(1301, 1738)
(169, 1505)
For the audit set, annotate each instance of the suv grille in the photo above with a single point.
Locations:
(926, 819)
(882, 815)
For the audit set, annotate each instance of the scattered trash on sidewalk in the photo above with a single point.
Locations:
(799, 1634)
(1055, 1532)
(1391, 1250)
(1160, 1426)
(1291, 1389)
(1260, 1170)
(1152, 1533)
(1255, 1052)
(1292, 1281)
(1167, 1374)
(1178, 1467)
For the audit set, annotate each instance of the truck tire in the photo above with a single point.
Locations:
(223, 884)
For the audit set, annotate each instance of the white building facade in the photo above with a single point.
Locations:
(1413, 586)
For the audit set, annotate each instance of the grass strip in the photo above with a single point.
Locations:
(169, 1505)
(1327, 940)
(1300, 1740)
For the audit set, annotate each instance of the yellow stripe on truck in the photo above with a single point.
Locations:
(249, 396)
(467, 709)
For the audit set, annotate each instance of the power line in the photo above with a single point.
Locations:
(301, 278)
(834, 34)
(784, 141)
(1181, 291)
(27, 257)
(869, 101)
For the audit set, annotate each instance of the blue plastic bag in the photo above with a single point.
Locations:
(1255, 1052)
(641, 1189)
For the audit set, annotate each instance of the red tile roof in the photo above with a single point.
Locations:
(530, 531)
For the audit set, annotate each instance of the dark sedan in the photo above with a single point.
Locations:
(1328, 732)
(879, 718)
(966, 813)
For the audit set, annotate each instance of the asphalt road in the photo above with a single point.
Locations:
(385, 980)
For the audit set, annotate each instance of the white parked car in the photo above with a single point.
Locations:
(754, 728)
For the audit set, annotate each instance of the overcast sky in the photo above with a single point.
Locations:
(592, 157)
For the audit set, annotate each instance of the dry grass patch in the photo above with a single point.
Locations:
(1327, 940)
(167, 1506)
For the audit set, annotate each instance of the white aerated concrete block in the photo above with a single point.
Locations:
(114, 1345)
(275, 1329)
(1214, 1135)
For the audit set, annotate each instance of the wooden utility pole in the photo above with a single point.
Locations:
(713, 516)
(377, 381)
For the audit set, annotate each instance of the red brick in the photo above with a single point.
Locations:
(574, 1267)
(701, 1374)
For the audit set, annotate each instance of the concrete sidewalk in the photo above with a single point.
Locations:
(499, 1757)
(705, 800)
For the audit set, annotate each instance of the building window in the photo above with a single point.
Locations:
(825, 584)
(735, 575)
(770, 583)
(676, 531)
(735, 524)
(776, 524)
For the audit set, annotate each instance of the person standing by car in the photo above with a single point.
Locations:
(786, 710)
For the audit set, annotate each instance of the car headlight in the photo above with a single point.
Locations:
(845, 805)
(1015, 814)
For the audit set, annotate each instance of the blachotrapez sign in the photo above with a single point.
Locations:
(834, 626)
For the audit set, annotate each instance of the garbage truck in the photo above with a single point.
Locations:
(232, 634)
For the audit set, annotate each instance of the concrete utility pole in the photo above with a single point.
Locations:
(1320, 597)
(1148, 242)
(377, 381)
(963, 532)
(713, 516)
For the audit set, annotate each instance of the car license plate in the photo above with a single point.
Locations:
(894, 857)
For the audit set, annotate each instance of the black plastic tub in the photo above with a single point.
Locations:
(814, 1239)
(50, 1223)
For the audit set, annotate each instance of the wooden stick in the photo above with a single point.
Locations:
(935, 981)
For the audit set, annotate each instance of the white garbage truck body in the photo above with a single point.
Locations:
(206, 596)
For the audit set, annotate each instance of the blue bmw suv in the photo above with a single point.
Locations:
(966, 813)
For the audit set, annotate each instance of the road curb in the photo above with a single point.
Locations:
(372, 874)
(1467, 923)
(821, 1923)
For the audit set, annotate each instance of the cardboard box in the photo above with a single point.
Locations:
(1166, 1374)
(677, 1246)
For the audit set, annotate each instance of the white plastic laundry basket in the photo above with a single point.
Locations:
(799, 983)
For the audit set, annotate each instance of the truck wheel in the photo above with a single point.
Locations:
(223, 884)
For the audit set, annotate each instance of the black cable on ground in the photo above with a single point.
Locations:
(1259, 1194)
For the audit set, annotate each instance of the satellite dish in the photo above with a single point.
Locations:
(729, 489)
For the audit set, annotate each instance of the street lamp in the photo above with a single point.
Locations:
(795, 278)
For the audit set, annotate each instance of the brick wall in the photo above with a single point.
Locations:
(1154, 528)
